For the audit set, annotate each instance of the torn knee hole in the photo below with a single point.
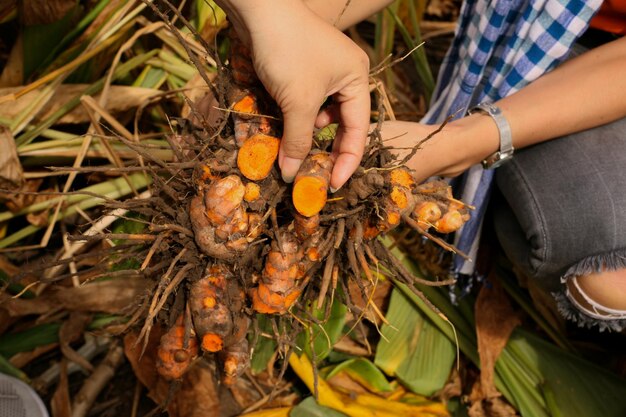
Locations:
(600, 295)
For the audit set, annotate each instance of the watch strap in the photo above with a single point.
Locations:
(506, 140)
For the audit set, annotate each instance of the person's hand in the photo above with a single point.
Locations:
(301, 60)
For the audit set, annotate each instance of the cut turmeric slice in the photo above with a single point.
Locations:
(246, 106)
(310, 189)
(401, 177)
(257, 156)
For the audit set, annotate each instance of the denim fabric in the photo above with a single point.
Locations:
(564, 206)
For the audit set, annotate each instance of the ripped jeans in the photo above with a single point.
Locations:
(564, 215)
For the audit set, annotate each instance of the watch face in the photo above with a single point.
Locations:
(496, 160)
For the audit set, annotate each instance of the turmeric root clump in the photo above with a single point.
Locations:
(310, 187)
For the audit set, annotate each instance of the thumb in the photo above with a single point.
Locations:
(296, 142)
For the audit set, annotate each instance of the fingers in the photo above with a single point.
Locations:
(297, 138)
(354, 112)
(325, 117)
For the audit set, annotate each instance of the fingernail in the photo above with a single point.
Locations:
(289, 168)
(334, 190)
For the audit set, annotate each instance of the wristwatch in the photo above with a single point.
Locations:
(505, 152)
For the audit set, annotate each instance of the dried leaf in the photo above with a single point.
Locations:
(488, 407)
(60, 403)
(121, 99)
(21, 359)
(198, 394)
(495, 320)
(11, 173)
(21, 197)
(13, 71)
(72, 330)
(342, 381)
(18, 307)
(201, 103)
(36, 12)
(378, 298)
(112, 296)
(244, 393)
(7, 7)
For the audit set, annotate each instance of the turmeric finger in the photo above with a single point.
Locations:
(310, 189)
(175, 353)
(222, 199)
(235, 360)
(426, 213)
(210, 310)
(449, 222)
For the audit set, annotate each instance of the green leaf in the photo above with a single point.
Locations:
(414, 350)
(569, 383)
(103, 320)
(326, 335)
(27, 340)
(327, 133)
(151, 77)
(77, 29)
(310, 408)
(209, 13)
(264, 348)
(7, 368)
(457, 408)
(39, 40)
(365, 373)
(534, 375)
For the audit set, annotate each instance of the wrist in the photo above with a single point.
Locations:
(472, 139)
(460, 145)
(249, 14)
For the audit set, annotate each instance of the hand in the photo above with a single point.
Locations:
(302, 60)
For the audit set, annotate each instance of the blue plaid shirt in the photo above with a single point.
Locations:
(499, 47)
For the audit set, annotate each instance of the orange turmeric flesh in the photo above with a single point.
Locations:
(212, 342)
(402, 177)
(310, 189)
(257, 155)
(310, 195)
(246, 106)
